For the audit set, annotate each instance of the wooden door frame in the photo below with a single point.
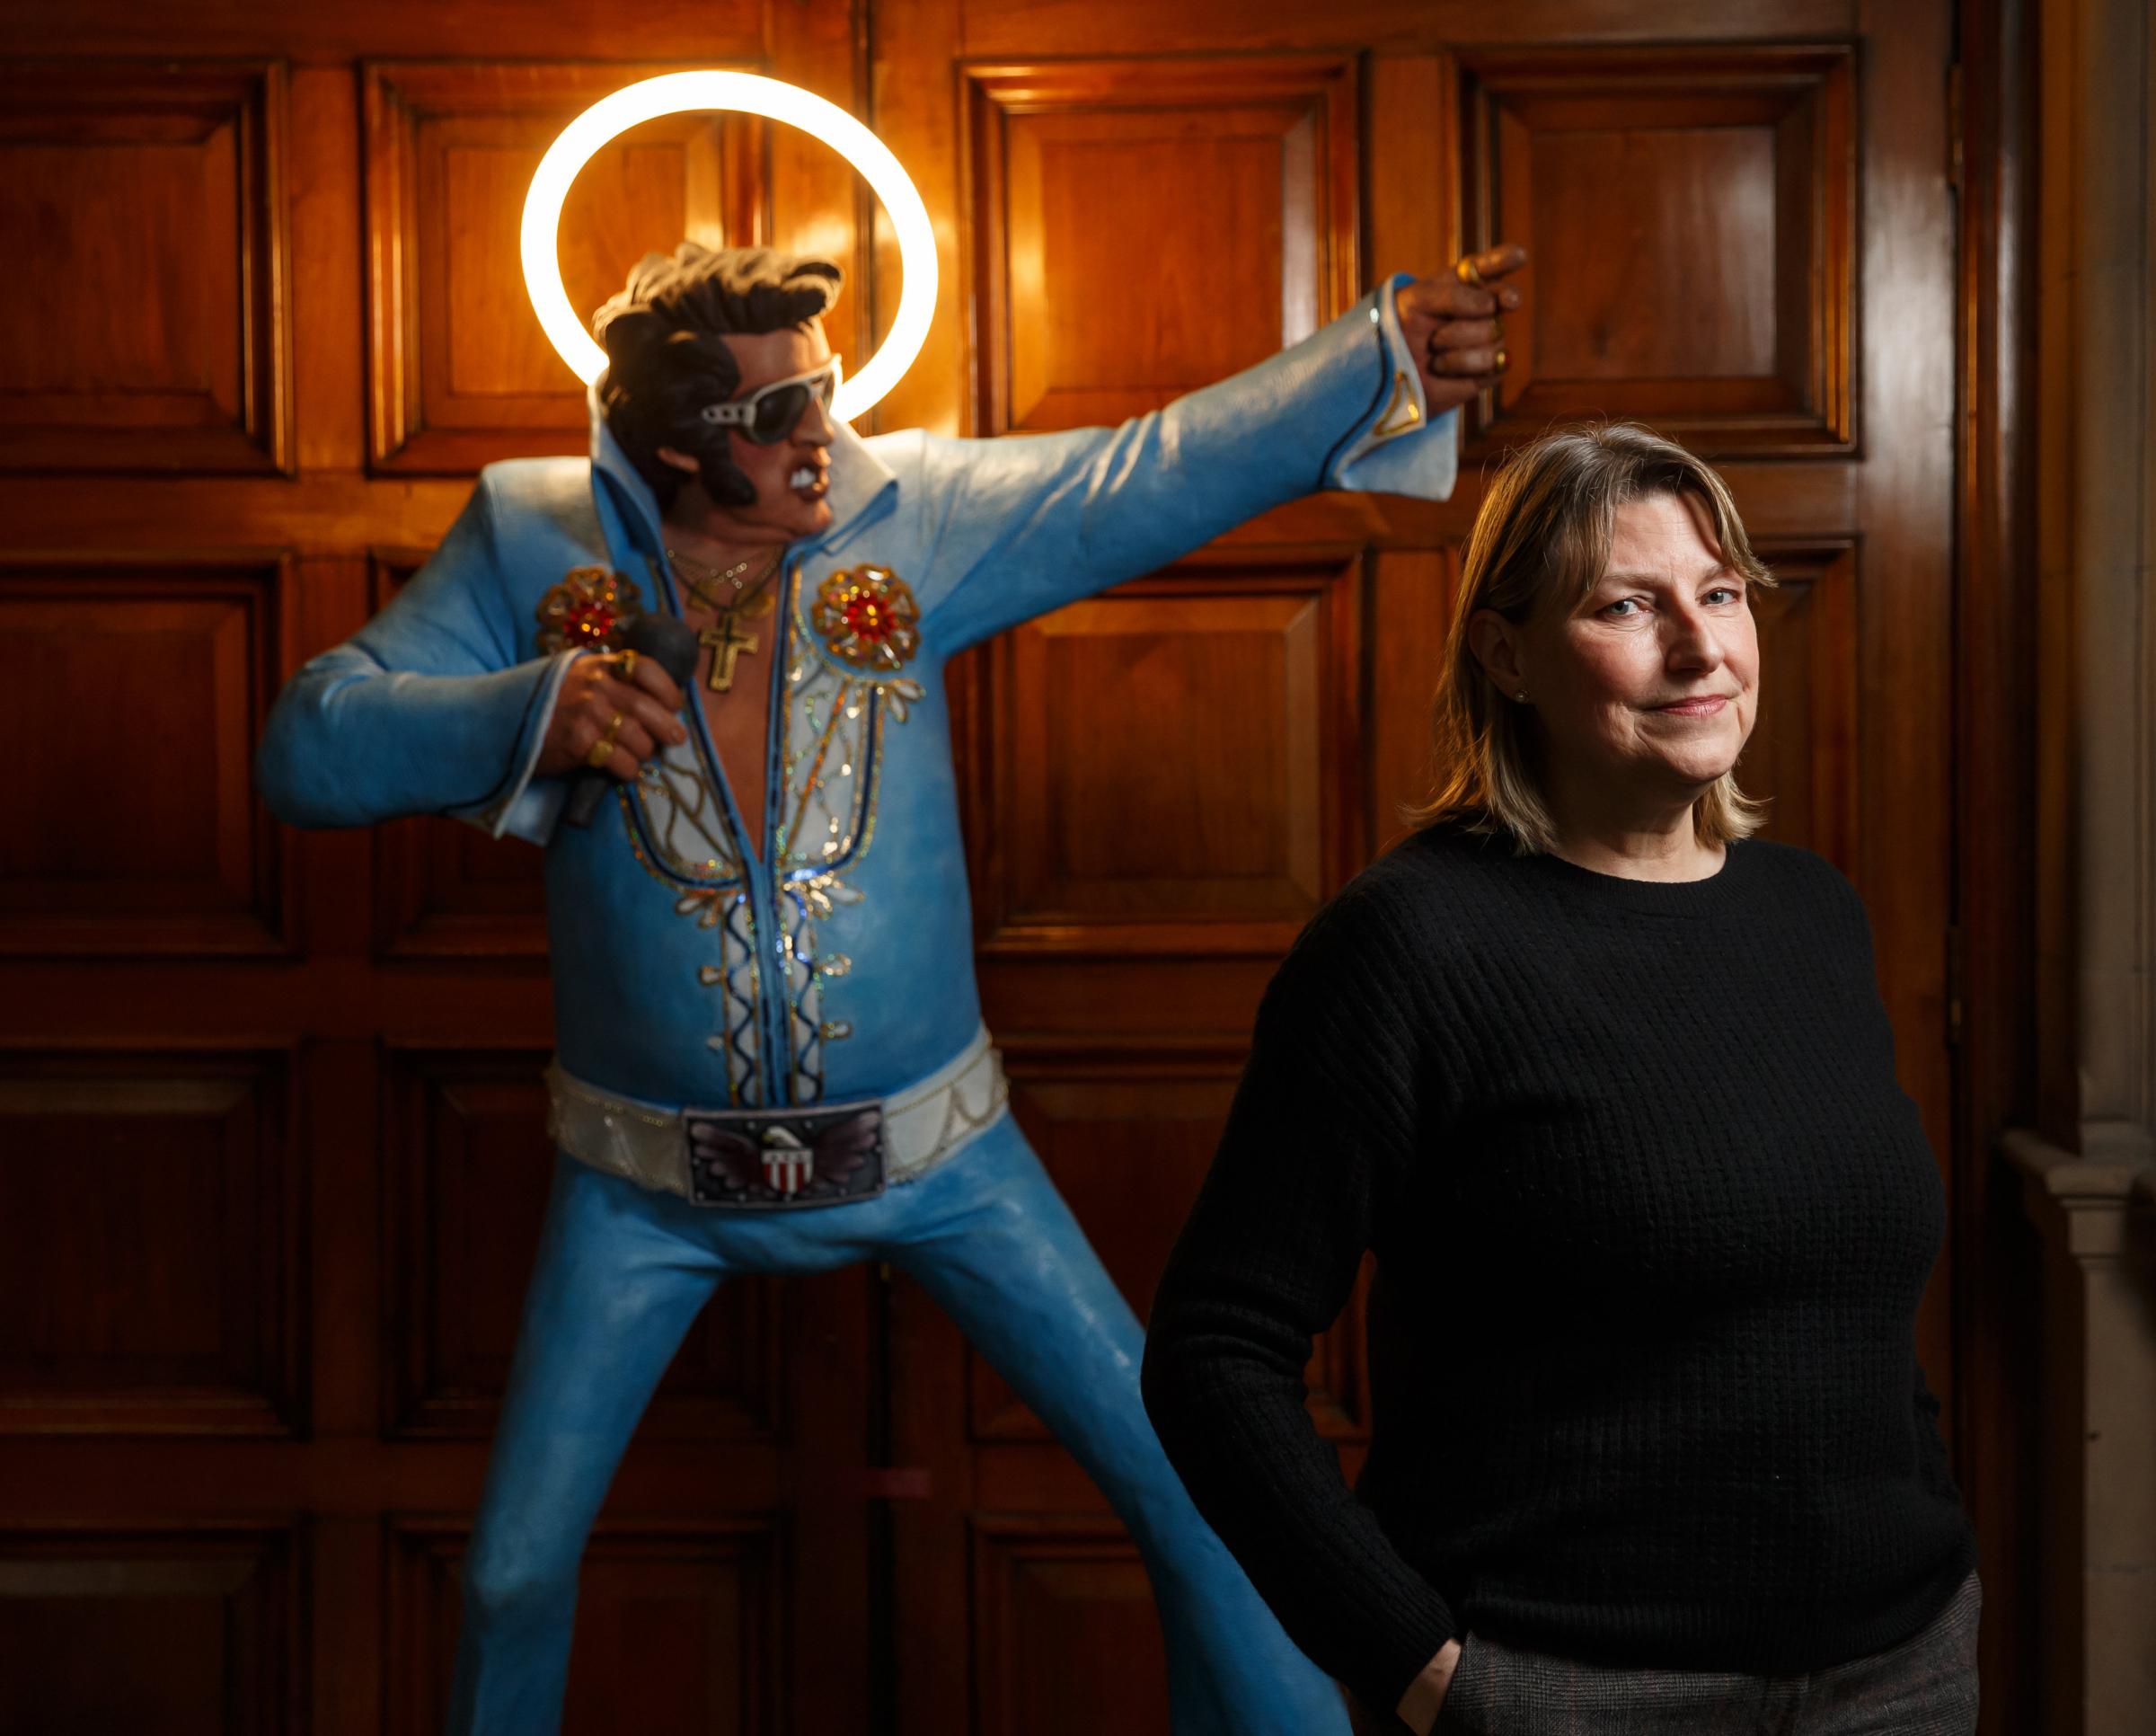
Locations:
(1994, 969)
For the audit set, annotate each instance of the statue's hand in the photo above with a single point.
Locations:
(593, 695)
(1452, 326)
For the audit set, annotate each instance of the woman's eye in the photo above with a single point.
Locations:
(1726, 593)
(1628, 604)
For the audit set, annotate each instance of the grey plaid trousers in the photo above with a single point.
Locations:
(1924, 1687)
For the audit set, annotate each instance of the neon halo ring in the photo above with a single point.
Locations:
(743, 93)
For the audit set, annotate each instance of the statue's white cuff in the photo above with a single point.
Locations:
(1399, 449)
(529, 807)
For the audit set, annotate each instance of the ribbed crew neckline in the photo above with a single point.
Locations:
(1714, 894)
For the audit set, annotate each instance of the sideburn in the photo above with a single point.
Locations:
(723, 480)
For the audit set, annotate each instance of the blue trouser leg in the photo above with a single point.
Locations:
(620, 1277)
(1006, 1260)
(614, 1292)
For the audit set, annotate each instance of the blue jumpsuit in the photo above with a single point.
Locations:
(836, 965)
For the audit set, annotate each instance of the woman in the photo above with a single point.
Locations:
(1607, 1086)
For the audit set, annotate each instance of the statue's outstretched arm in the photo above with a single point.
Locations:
(1028, 523)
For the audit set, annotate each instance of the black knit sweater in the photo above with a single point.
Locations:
(1651, 1218)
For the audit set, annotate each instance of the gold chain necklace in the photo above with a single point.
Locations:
(702, 591)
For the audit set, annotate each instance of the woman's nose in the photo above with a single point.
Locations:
(1692, 643)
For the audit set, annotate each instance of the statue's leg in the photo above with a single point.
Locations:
(614, 1290)
(992, 1241)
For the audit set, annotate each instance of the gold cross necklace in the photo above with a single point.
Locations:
(724, 636)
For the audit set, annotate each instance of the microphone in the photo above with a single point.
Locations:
(668, 642)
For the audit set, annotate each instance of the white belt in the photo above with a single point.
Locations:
(923, 1125)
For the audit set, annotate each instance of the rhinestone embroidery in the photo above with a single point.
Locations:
(587, 611)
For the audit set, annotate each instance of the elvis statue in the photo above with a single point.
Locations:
(769, 1049)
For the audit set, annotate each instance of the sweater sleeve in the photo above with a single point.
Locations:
(1934, 1463)
(1314, 1158)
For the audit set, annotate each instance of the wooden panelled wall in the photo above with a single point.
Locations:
(271, 1145)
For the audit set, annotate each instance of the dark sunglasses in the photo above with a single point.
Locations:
(771, 413)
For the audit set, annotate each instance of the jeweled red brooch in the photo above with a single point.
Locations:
(588, 610)
(867, 619)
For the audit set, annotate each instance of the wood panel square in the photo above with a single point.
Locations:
(137, 829)
(185, 1634)
(1066, 1639)
(679, 1626)
(468, 1172)
(158, 1292)
(1174, 767)
(1691, 216)
(1241, 176)
(1802, 757)
(461, 373)
(443, 889)
(1128, 1138)
(147, 327)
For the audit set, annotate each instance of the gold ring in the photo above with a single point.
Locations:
(1503, 359)
(626, 669)
(1467, 273)
(602, 750)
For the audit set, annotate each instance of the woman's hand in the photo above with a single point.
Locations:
(1454, 326)
(1425, 1694)
(624, 699)
(1418, 1706)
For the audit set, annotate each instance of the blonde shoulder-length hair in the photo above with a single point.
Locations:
(1542, 540)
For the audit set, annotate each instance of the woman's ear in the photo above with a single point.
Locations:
(679, 459)
(1494, 641)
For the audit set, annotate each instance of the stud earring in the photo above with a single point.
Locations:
(1520, 695)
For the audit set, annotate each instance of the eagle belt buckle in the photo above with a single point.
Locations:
(775, 1159)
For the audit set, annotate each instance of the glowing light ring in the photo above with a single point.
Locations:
(744, 93)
